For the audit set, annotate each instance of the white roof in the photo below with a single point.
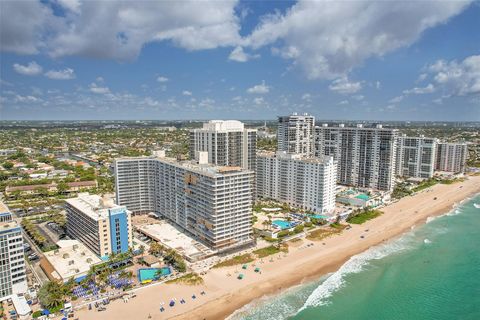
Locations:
(93, 205)
(21, 305)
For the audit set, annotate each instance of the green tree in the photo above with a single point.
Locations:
(7, 165)
(51, 294)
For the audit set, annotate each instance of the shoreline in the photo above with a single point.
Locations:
(226, 294)
(229, 310)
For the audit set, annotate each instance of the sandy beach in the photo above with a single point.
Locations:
(225, 293)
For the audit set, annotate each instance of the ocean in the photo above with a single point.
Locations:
(430, 272)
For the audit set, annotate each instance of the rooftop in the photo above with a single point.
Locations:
(71, 259)
(204, 169)
(222, 125)
(284, 155)
(175, 238)
(93, 205)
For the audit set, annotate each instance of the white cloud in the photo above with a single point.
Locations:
(396, 99)
(420, 90)
(122, 28)
(241, 56)
(343, 102)
(358, 97)
(345, 86)
(31, 69)
(187, 93)
(457, 78)
(328, 39)
(162, 79)
(421, 77)
(98, 90)
(259, 89)
(100, 79)
(72, 5)
(65, 74)
(307, 97)
(26, 99)
(259, 101)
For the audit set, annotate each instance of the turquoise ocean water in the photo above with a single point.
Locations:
(431, 272)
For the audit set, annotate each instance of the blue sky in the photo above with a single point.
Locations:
(383, 60)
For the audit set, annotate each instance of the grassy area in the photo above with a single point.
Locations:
(268, 251)
(425, 184)
(244, 258)
(364, 216)
(191, 279)
(323, 233)
(452, 181)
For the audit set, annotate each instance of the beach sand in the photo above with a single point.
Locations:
(225, 294)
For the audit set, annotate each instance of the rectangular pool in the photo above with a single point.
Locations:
(282, 224)
(153, 273)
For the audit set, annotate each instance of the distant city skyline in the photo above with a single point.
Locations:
(347, 60)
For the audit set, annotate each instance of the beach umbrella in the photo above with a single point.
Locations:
(244, 266)
(172, 303)
(257, 269)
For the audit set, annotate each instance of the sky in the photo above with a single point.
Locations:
(174, 60)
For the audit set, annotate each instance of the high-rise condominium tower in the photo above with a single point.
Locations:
(213, 203)
(103, 227)
(307, 183)
(295, 134)
(451, 157)
(416, 156)
(13, 277)
(365, 156)
(228, 143)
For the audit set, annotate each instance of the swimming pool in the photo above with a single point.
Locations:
(318, 216)
(282, 224)
(152, 273)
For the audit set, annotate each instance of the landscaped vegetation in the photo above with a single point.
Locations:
(362, 215)
(425, 184)
(241, 259)
(268, 251)
(191, 279)
(323, 233)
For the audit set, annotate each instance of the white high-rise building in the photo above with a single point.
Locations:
(416, 156)
(213, 203)
(304, 182)
(13, 278)
(451, 157)
(365, 156)
(295, 134)
(228, 143)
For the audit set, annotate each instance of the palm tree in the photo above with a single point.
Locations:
(51, 294)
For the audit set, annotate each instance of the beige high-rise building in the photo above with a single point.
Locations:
(212, 203)
(102, 226)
